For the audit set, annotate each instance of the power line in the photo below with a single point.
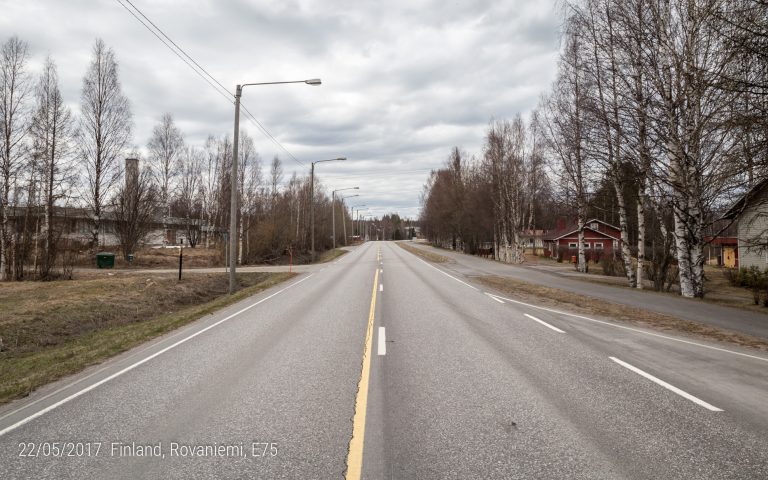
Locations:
(220, 89)
(177, 46)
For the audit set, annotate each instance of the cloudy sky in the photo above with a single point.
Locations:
(403, 80)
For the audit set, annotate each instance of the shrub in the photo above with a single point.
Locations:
(732, 275)
(612, 267)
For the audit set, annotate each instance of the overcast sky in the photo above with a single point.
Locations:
(403, 80)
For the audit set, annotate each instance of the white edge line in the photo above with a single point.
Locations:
(495, 298)
(543, 323)
(633, 329)
(664, 384)
(140, 362)
(446, 274)
(382, 341)
(381, 287)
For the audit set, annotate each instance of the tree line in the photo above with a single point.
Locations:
(656, 119)
(53, 159)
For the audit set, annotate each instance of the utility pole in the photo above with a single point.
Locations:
(344, 214)
(233, 198)
(312, 212)
(234, 193)
(333, 209)
(344, 220)
(312, 201)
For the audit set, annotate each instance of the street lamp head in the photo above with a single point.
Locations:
(356, 188)
(313, 81)
(341, 158)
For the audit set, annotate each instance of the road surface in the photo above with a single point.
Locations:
(738, 320)
(383, 365)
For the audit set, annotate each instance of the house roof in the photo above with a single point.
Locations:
(728, 241)
(738, 206)
(574, 228)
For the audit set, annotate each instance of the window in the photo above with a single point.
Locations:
(586, 245)
(573, 245)
(594, 226)
(598, 245)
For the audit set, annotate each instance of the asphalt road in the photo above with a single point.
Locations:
(458, 384)
(719, 316)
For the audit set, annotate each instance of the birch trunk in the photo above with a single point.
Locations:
(626, 254)
(640, 236)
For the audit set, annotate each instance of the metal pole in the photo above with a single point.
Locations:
(333, 216)
(233, 200)
(181, 258)
(312, 211)
(344, 220)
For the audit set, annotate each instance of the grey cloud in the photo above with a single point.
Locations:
(403, 80)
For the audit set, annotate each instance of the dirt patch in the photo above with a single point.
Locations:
(51, 329)
(585, 305)
(432, 257)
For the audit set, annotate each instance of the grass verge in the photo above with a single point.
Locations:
(581, 304)
(431, 256)
(50, 330)
(331, 254)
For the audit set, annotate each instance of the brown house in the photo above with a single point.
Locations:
(600, 239)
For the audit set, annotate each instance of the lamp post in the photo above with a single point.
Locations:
(312, 201)
(364, 225)
(344, 215)
(333, 210)
(233, 200)
(355, 207)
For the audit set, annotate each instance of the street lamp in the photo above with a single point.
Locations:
(344, 215)
(233, 200)
(333, 209)
(353, 207)
(312, 200)
(366, 222)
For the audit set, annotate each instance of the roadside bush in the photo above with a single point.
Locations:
(612, 267)
(732, 275)
(757, 281)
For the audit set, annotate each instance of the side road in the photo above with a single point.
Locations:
(306, 268)
(735, 319)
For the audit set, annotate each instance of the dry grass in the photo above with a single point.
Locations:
(581, 304)
(431, 256)
(53, 329)
(198, 257)
(330, 255)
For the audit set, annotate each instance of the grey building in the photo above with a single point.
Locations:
(751, 215)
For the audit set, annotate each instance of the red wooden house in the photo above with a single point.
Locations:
(600, 239)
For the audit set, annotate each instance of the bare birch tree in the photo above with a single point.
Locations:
(189, 201)
(567, 131)
(52, 134)
(165, 147)
(134, 207)
(14, 89)
(105, 131)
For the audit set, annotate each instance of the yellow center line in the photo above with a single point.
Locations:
(355, 455)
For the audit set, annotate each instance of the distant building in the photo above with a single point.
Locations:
(600, 239)
(751, 215)
(533, 241)
(76, 224)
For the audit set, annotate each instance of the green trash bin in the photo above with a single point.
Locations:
(105, 260)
